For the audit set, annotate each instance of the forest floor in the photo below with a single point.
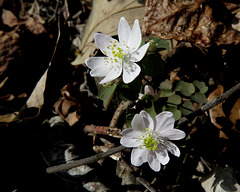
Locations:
(47, 98)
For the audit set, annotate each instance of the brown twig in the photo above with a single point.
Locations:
(122, 106)
(88, 160)
(103, 130)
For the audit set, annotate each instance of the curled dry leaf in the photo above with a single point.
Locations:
(202, 22)
(104, 18)
(67, 106)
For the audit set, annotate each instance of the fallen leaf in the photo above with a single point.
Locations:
(104, 18)
(235, 113)
(9, 48)
(8, 18)
(3, 81)
(216, 111)
(221, 180)
(7, 118)
(202, 22)
(33, 26)
(70, 157)
(67, 106)
(95, 187)
(36, 99)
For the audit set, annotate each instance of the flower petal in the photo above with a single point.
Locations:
(93, 62)
(100, 71)
(148, 90)
(148, 119)
(135, 37)
(173, 134)
(164, 121)
(98, 65)
(123, 31)
(128, 142)
(138, 123)
(103, 41)
(130, 72)
(113, 74)
(131, 133)
(153, 161)
(172, 148)
(139, 156)
(162, 155)
(139, 54)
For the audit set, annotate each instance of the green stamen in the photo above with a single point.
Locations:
(150, 140)
(116, 51)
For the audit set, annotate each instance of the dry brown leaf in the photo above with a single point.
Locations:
(7, 118)
(9, 18)
(8, 97)
(67, 106)
(202, 22)
(235, 113)
(33, 26)
(36, 99)
(104, 18)
(9, 48)
(216, 111)
(2, 83)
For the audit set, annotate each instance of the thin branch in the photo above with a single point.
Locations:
(88, 160)
(122, 107)
(210, 104)
(103, 130)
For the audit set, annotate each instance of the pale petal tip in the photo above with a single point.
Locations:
(122, 18)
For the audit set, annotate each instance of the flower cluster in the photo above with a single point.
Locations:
(121, 55)
(150, 139)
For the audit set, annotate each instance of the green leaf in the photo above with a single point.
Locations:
(152, 65)
(161, 43)
(186, 107)
(166, 93)
(201, 86)
(199, 98)
(106, 94)
(176, 113)
(166, 84)
(187, 89)
(151, 110)
(174, 99)
(178, 86)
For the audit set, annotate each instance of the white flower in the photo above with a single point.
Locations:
(148, 90)
(121, 55)
(150, 139)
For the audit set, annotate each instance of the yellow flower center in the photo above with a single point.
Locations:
(116, 50)
(150, 140)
